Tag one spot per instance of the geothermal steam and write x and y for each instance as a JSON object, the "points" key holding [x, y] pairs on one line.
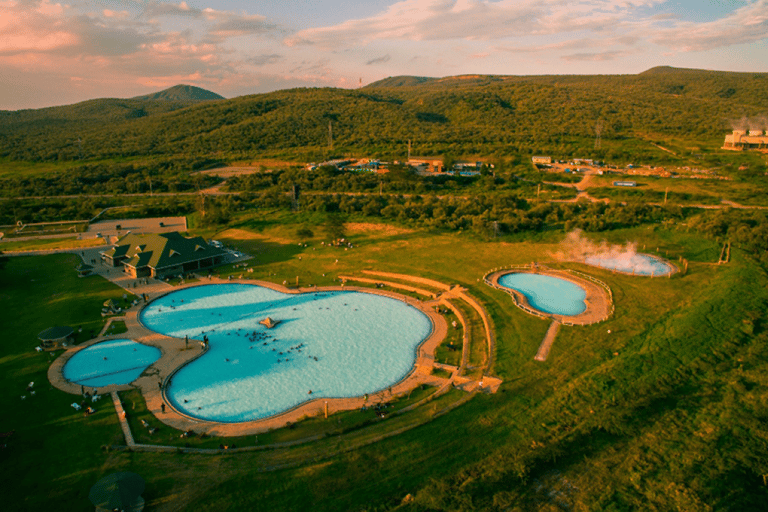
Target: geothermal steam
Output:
{"points": [[623, 258]]}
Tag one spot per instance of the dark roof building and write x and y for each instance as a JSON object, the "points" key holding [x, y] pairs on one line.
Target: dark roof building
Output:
{"points": [[161, 255], [55, 337]]}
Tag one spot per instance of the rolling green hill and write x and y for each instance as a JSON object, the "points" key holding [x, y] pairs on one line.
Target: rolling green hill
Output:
{"points": [[474, 115]]}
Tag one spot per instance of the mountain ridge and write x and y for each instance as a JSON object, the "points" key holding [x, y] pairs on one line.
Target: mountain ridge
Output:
{"points": [[469, 114], [181, 92]]}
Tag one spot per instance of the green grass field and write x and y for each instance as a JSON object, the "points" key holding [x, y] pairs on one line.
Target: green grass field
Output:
{"points": [[661, 407], [679, 190]]}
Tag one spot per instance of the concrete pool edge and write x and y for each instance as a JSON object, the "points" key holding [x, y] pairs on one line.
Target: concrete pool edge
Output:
{"points": [[56, 368], [174, 355], [599, 298]]}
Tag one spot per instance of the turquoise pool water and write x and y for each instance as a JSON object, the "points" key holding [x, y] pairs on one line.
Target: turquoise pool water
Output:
{"points": [[110, 362], [336, 344], [548, 294], [638, 264]]}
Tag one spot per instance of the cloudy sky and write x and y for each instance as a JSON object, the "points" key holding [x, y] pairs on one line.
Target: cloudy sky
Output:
{"points": [[59, 53]]}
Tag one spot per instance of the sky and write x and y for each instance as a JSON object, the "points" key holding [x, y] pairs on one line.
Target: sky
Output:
{"points": [[55, 53]]}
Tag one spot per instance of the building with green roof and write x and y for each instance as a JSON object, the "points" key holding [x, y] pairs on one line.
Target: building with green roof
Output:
{"points": [[162, 255]]}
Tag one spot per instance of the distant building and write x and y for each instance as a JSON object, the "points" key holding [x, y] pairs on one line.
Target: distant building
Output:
{"points": [[541, 159], [363, 165], [162, 255], [427, 164], [741, 139], [468, 167], [338, 164]]}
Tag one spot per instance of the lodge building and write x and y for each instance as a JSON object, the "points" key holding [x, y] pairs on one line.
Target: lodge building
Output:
{"points": [[162, 255]]}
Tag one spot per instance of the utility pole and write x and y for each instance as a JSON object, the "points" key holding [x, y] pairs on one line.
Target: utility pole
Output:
{"points": [[598, 131], [149, 179], [330, 137], [409, 150], [665, 195]]}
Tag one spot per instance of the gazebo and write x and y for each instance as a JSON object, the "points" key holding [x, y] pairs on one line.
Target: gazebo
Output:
{"points": [[83, 269], [54, 337], [110, 306], [118, 491]]}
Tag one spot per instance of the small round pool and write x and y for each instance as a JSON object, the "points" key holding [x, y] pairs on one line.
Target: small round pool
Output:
{"points": [[113, 362], [637, 264], [547, 293], [331, 344]]}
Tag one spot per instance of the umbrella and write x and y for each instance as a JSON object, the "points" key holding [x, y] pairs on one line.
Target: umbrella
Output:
{"points": [[109, 303], [118, 491]]}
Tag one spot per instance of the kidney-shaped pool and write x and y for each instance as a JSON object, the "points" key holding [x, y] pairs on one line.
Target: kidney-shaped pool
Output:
{"points": [[547, 293], [332, 344]]}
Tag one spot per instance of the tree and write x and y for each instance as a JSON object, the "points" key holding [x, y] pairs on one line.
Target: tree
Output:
{"points": [[304, 233], [401, 172], [334, 226]]}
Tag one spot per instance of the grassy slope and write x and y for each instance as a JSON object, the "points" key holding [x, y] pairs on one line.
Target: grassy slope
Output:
{"points": [[54, 450], [489, 115], [678, 342]]}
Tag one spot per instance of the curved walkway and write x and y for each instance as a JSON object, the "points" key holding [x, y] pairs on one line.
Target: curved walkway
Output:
{"points": [[459, 293]]}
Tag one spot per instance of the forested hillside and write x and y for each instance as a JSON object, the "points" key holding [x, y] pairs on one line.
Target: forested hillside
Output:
{"points": [[181, 93], [461, 116]]}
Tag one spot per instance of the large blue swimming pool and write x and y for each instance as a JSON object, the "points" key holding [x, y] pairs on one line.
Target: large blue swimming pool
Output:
{"points": [[110, 362], [548, 294], [335, 344]]}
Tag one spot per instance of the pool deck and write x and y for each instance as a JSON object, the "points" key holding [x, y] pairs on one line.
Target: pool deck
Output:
{"points": [[176, 353], [598, 299]]}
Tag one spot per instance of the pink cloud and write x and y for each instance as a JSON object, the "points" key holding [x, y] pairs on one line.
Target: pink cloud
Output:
{"points": [[120, 15], [39, 29]]}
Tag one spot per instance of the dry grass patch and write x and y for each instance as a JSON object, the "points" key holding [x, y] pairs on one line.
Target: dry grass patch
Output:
{"points": [[239, 234], [379, 229], [242, 234]]}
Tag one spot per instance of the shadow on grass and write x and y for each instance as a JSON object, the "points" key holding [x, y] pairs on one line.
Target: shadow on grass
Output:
{"points": [[264, 253]]}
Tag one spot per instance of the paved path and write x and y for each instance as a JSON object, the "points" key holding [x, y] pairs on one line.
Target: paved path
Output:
{"points": [[414, 279], [390, 284], [123, 419], [549, 339]]}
